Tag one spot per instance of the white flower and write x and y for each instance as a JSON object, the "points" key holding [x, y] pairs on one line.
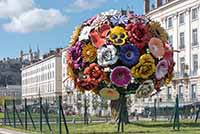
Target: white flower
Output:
{"points": [[145, 89], [106, 55], [111, 12], [84, 35], [100, 20]]}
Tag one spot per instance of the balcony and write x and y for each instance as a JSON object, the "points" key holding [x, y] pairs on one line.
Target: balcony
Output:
{"points": [[178, 75], [193, 73]]}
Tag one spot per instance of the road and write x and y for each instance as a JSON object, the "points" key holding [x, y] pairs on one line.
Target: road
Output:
{"points": [[7, 131]]}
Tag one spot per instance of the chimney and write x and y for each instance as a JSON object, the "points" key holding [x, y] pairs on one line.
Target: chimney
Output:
{"points": [[146, 6], [158, 3]]}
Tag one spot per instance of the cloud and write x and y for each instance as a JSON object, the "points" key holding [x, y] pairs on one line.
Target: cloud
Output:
{"points": [[35, 20], [80, 5], [10, 8]]}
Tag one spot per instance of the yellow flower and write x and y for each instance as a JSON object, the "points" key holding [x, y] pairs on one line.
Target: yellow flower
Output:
{"points": [[146, 58], [157, 31], [118, 35], [70, 73], [144, 68], [75, 35], [89, 53], [168, 78]]}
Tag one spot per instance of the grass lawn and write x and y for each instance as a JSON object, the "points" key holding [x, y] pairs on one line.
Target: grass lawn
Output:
{"points": [[1, 115], [139, 127]]}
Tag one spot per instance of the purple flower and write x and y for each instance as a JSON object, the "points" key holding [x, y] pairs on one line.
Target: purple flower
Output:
{"points": [[117, 20], [120, 76], [76, 55], [129, 54]]}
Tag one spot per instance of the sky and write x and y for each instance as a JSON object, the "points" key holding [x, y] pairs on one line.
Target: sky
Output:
{"points": [[48, 24]]}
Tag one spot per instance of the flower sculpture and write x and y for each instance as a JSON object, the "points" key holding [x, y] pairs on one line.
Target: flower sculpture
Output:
{"points": [[117, 53]]}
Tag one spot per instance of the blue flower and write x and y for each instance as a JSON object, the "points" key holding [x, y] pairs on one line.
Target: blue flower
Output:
{"points": [[117, 20], [129, 55]]}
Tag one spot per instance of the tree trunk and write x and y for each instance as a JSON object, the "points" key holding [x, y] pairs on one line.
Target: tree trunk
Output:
{"points": [[115, 110]]}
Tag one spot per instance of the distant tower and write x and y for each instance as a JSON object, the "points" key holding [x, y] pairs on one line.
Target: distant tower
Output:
{"points": [[31, 55], [21, 55], [38, 53]]}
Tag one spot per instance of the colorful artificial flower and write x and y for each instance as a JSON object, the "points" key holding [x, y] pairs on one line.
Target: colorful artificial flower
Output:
{"points": [[145, 89], [162, 69], [120, 76], [110, 12], [96, 39], [156, 47], [120, 50], [168, 56], [75, 53], [104, 30], [84, 35], [129, 54], [89, 21], [109, 93], [145, 68], [89, 53], [119, 20], [85, 84], [146, 58], [138, 34], [107, 55], [100, 20], [118, 35], [70, 73], [157, 31], [75, 35], [94, 73]]}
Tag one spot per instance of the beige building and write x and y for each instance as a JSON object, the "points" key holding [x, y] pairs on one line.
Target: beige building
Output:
{"points": [[11, 91], [43, 78], [181, 19]]}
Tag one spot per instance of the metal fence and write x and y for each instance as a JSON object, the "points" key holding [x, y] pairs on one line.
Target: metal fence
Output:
{"points": [[44, 116], [47, 117]]}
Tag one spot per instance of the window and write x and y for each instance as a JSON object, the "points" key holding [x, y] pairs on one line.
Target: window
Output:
{"points": [[169, 93], [182, 40], [182, 66], [194, 37], [195, 64], [169, 23], [181, 18], [180, 92], [170, 40], [64, 60], [194, 13], [193, 91]]}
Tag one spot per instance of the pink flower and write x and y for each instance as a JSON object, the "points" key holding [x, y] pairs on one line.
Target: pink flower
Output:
{"points": [[162, 69]]}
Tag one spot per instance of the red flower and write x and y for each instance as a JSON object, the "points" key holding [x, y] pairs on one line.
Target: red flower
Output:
{"points": [[86, 84], [94, 73], [138, 34]]}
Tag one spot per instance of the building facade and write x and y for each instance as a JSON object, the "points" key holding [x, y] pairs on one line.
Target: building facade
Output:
{"points": [[11, 92], [43, 78], [181, 19]]}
